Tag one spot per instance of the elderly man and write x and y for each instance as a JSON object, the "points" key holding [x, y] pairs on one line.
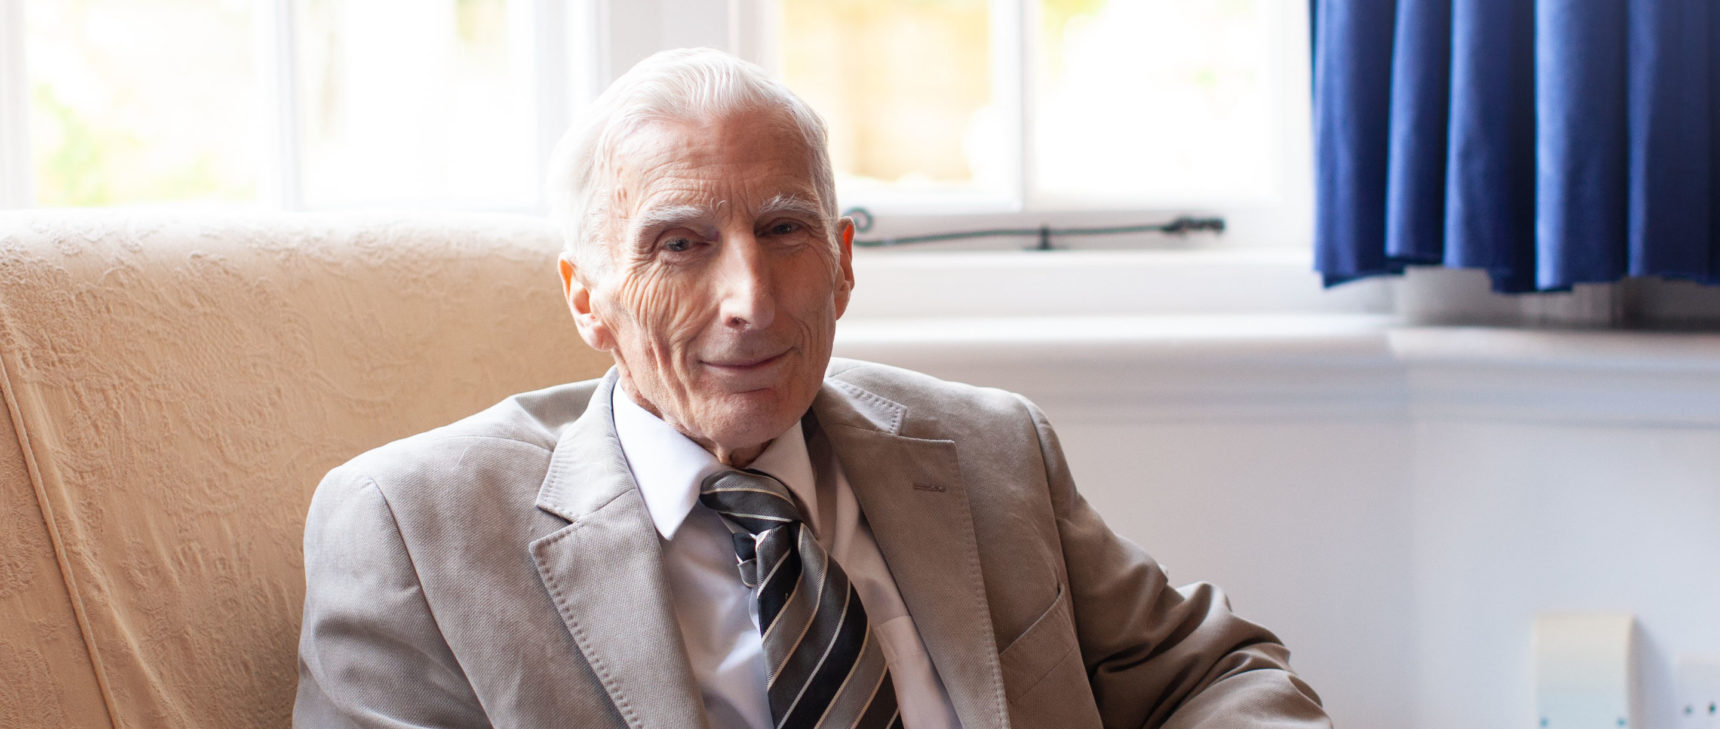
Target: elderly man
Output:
{"points": [[730, 529]]}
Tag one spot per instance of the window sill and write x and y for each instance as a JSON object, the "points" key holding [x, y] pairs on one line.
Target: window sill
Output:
{"points": [[917, 284], [1227, 367]]}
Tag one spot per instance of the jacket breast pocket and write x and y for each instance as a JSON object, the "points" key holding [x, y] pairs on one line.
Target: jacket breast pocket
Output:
{"points": [[1047, 641], [1043, 676]]}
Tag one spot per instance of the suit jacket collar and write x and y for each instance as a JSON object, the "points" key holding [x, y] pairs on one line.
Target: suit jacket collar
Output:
{"points": [[604, 569], [913, 497]]}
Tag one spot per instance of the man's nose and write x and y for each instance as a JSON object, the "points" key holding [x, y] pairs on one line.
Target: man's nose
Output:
{"points": [[744, 284]]}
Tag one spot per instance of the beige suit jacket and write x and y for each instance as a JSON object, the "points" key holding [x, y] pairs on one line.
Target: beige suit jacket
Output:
{"points": [[503, 571]]}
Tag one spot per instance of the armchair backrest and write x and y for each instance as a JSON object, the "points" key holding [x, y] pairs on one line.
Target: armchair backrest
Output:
{"points": [[174, 388]]}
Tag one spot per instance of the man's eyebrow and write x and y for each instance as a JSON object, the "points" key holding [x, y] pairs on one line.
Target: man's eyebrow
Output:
{"points": [[793, 204], [668, 216]]}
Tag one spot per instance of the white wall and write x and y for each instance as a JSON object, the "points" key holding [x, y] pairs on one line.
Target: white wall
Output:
{"points": [[1397, 503], [1511, 519]]}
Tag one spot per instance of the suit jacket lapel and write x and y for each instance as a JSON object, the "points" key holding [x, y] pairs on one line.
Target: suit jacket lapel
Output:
{"points": [[604, 571], [912, 495]]}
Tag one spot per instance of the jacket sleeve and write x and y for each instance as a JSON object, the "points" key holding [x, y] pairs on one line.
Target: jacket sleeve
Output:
{"points": [[370, 652], [1158, 656]]}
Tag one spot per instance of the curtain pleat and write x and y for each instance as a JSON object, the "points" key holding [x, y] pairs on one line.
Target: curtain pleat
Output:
{"points": [[1580, 142], [1672, 83], [1347, 128], [1491, 167], [1550, 142], [1420, 106]]}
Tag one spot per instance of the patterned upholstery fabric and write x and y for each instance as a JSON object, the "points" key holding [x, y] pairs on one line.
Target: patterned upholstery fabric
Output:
{"points": [[175, 385]]}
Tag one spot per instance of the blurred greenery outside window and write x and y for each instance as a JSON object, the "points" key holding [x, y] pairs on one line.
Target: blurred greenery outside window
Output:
{"points": [[1052, 104], [1130, 104], [967, 115], [178, 102], [142, 101]]}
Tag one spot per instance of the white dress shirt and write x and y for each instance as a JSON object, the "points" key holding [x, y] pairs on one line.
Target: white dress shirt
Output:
{"points": [[716, 612]]}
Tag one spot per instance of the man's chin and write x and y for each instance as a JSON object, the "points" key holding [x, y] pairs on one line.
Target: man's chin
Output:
{"points": [[745, 424]]}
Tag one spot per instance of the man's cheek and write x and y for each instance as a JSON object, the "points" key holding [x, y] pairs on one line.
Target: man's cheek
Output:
{"points": [[670, 334], [681, 334], [681, 317], [653, 308]]}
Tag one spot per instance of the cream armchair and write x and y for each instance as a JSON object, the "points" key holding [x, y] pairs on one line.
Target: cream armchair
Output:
{"points": [[175, 386]]}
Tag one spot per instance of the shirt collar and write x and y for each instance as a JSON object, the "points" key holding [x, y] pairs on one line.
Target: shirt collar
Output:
{"points": [[669, 466]]}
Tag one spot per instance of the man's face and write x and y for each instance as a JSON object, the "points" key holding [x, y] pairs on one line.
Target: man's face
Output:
{"points": [[723, 290]]}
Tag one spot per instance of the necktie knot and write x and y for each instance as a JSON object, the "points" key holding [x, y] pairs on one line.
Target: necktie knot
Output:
{"points": [[754, 500]]}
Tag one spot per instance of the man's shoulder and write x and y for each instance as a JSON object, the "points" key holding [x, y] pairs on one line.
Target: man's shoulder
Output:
{"points": [[925, 396], [516, 435]]}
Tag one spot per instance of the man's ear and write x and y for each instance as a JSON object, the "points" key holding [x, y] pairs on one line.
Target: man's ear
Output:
{"points": [[845, 258], [591, 327]]}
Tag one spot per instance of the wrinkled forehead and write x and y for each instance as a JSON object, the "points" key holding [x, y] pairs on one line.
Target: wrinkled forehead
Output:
{"points": [[761, 150]]}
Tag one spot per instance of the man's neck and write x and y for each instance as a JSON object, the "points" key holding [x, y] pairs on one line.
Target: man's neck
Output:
{"points": [[738, 458]]}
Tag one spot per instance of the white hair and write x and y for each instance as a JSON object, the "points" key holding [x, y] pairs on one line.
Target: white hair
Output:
{"points": [[671, 86]]}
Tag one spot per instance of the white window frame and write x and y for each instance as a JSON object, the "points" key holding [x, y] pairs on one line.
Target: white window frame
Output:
{"points": [[1266, 246], [1263, 262], [276, 37], [619, 33], [559, 26], [1286, 223], [14, 134]]}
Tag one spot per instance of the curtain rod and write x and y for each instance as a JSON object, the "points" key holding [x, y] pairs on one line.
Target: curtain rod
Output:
{"points": [[1179, 226]]}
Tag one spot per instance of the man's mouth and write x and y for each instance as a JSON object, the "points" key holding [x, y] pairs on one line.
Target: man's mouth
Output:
{"points": [[747, 362]]}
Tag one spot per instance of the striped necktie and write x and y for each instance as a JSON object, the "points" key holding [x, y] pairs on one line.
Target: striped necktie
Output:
{"points": [[824, 666]]}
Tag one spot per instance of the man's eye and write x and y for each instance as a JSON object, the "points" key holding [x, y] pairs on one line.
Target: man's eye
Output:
{"points": [[677, 245], [784, 228]]}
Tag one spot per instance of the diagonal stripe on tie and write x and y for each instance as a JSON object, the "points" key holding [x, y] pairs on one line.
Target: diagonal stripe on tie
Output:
{"points": [[883, 712], [825, 667], [789, 573], [802, 657], [862, 685], [834, 664]]}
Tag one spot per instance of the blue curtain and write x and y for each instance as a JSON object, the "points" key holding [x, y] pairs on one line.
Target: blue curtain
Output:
{"points": [[1550, 142]]}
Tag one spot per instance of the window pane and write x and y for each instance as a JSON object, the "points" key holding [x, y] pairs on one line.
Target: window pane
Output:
{"points": [[407, 101], [142, 101], [1163, 101], [905, 87]]}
